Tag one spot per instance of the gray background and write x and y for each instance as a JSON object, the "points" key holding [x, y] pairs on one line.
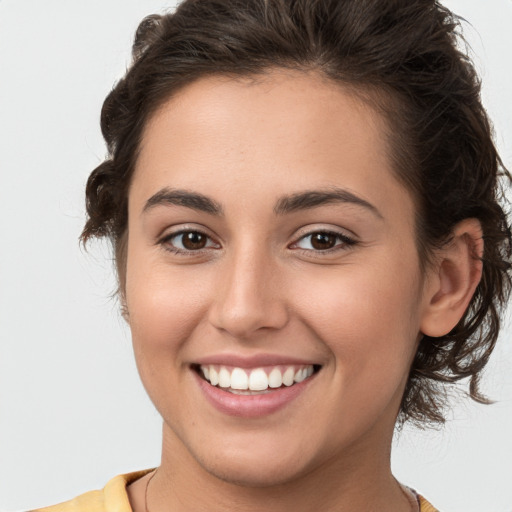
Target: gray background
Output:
{"points": [[72, 410]]}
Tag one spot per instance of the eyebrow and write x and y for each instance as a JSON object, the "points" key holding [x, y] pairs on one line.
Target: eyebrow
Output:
{"points": [[185, 198], [284, 205], [314, 198]]}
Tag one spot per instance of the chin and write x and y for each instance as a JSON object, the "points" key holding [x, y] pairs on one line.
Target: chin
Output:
{"points": [[253, 467], [258, 476]]}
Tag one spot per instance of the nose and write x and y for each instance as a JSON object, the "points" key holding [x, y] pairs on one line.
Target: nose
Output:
{"points": [[250, 296]]}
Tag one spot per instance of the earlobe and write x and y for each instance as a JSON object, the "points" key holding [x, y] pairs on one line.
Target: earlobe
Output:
{"points": [[454, 280]]}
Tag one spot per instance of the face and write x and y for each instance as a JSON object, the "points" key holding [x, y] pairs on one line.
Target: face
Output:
{"points": [[272, 285]]}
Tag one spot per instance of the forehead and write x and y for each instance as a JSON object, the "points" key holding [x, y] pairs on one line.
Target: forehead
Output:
{"points": [[280, 105], [285, 130]]}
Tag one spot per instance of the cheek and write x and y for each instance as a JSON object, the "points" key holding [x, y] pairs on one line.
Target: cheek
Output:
{"points": [[367, 316], [165, 304], [165, 309]]}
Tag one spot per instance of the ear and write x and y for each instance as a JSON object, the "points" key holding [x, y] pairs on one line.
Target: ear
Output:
{"points": [[452, 283]]}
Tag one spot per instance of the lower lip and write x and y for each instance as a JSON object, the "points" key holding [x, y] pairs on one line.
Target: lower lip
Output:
{"points": [[251, 406]]}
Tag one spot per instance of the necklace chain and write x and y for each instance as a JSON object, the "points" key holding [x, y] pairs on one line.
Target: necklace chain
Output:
{"points": [[146, 491]]}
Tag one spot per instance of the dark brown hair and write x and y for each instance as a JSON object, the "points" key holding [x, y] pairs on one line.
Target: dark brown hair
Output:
{"points": [[404, 58]]}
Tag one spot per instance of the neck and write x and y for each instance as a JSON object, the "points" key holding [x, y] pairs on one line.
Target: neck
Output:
{"points": [[355, 481]]}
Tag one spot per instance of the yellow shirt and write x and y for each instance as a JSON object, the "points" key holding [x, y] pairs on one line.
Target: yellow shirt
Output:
{"points": [[113, 498]]}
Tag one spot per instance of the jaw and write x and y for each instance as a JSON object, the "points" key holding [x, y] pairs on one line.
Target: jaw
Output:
{"points": [[273, 448]]}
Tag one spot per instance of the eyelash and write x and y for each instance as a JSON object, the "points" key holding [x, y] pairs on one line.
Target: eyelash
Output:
{"points": [[346, 242], [165, 242]]}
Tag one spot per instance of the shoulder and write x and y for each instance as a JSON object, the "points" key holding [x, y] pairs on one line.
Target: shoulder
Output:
{"points": [[112, 497], [425, 506]]}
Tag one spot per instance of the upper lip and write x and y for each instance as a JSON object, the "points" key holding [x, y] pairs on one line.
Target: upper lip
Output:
{"points": [[252, 361]]}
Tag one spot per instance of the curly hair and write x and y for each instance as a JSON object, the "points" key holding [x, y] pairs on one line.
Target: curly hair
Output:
{"points": [[405, 58]]}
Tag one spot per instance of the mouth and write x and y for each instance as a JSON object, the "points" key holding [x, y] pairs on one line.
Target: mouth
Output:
{"points": [[255, 381]]}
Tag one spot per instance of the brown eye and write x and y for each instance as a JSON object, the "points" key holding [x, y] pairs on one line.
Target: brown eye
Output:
{"points": [[184, 242], [322, 241], [326, 241], [193, 240]]}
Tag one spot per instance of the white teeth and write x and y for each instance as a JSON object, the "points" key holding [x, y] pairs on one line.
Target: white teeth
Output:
{"points": [[224, 378], [275, 379], [214, 376], [288, 376], [300, 375], [258, 380], [242, 381], [239, 379]]}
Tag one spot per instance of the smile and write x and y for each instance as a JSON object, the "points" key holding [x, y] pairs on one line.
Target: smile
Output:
{"points": [[245, 381]]}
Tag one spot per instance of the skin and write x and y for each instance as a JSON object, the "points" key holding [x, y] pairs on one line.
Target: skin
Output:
{"points": [[260, 286]]}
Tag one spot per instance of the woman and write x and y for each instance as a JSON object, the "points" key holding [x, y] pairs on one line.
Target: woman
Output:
{"points": [[303, 201]]}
